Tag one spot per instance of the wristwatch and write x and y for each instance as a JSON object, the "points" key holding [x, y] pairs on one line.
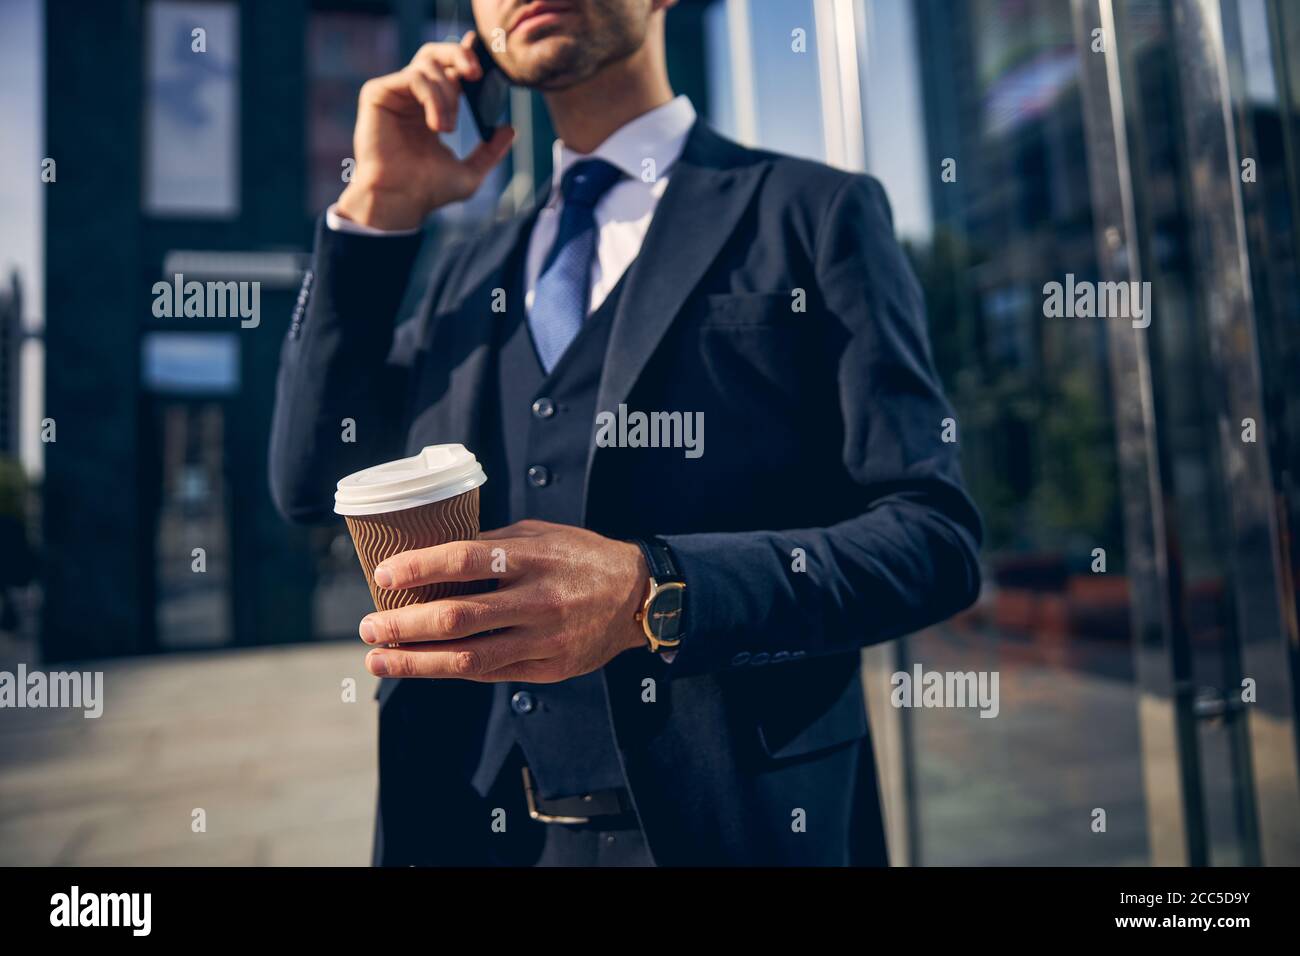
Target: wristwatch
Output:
{"points": [[662, 614]]}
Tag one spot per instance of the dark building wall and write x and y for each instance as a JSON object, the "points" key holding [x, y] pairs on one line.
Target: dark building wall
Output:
{"points": [[103, 256], [92, 562], [273, 575], [11, 340]]}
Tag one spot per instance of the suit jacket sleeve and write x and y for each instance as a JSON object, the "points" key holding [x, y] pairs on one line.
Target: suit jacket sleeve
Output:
{"points": [[909, 558], [342, 359]]}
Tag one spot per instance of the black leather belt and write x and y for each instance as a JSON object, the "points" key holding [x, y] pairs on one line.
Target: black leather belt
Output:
{"points": [[611, 809]]}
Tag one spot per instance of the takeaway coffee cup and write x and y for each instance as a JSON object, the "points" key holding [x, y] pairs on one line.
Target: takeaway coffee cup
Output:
{"points": [[417, 502]]}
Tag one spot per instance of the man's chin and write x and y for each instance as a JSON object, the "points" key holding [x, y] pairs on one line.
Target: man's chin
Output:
{"points": [[549, 63]]}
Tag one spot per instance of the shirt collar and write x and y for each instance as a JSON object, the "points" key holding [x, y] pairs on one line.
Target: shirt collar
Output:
{"points": [[658, 135]]}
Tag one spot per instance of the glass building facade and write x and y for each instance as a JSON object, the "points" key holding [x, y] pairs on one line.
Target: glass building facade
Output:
{"points": [[1138, 481]]}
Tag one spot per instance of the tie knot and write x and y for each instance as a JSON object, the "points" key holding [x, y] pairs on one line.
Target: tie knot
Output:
{"points": [[585, 182]]}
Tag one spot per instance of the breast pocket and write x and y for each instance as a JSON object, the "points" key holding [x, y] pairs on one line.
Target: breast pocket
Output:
{"points": [[752, 310], [755, 355]]}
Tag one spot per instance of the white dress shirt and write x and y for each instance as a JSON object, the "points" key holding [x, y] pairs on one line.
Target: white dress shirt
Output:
{"points": [[645, 149]]}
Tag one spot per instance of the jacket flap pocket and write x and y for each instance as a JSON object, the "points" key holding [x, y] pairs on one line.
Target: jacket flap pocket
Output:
{"points": [[814, 715]]}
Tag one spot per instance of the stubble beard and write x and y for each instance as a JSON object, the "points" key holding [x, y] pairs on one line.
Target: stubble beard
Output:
{"points": [[574, 62]]}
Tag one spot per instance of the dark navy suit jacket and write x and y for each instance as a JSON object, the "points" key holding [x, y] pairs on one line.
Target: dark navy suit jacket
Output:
{"points": [[825, 514]]}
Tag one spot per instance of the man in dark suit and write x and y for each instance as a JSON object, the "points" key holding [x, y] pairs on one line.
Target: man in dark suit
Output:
{"points": [[667, 669]]}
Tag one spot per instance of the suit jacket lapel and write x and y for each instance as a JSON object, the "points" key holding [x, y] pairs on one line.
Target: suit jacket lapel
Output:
{"points": [[708, 191], [462, 338]]}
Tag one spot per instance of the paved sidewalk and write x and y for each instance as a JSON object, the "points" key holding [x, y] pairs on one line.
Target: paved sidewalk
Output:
{"points": [[261, 740]]}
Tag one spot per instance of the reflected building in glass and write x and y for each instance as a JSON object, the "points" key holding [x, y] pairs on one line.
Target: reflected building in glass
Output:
{"points": [[1139, 562]]}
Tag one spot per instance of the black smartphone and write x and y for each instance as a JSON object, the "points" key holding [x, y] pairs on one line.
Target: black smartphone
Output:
{"points": [[487, 97]]}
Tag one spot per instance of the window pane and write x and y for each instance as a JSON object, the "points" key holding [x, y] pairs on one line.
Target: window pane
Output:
{"points": [[987, 92], [776, 74], [787, 97], [190, 363], [192, 126]]}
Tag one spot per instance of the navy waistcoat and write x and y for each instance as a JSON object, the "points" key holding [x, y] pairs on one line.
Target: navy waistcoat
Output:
{"points": [[536, 465]]}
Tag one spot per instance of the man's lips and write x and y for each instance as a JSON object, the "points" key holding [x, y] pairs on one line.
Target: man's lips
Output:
{"points": [[538, 13]]}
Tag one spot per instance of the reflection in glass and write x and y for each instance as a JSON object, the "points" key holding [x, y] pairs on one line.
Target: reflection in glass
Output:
{"points": [[999, 108]]}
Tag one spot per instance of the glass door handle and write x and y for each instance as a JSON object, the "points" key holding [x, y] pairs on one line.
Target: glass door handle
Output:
{"points": [[1214, 704]]}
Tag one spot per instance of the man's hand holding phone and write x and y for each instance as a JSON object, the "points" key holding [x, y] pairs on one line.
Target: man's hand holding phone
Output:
{"points": [[404, 170]]}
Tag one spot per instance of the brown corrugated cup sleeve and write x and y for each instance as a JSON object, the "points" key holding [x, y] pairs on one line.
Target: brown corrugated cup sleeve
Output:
{"points": [[381, 536]]}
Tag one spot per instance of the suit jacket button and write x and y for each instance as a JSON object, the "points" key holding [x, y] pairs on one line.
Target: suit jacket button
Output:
{"points": [[523, 702], [543, 408], [539, 476], [741, 659]]}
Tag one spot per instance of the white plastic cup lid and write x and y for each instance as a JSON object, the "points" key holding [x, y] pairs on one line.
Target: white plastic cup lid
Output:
{"points": [[437, 473]]}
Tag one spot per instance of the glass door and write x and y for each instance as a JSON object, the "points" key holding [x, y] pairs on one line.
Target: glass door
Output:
{"points": [[192, 552], [187, 377], [1190, 190]]}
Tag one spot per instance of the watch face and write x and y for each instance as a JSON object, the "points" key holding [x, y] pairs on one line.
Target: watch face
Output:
{"points": [[665, 615]]}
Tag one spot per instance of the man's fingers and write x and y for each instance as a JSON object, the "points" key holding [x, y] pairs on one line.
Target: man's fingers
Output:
{"points": [[454, 56], [479, 658], [445, 619], [454, 561], [467, 46], [392, 91], [447, 89], [434, 94], [466, 63]]}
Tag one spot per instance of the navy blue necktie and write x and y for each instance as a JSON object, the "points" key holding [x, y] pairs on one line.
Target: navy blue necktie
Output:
{"points": [[563, 289]]}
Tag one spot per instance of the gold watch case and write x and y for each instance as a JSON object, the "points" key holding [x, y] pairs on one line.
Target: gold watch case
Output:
{"points": [[646, 617]]}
